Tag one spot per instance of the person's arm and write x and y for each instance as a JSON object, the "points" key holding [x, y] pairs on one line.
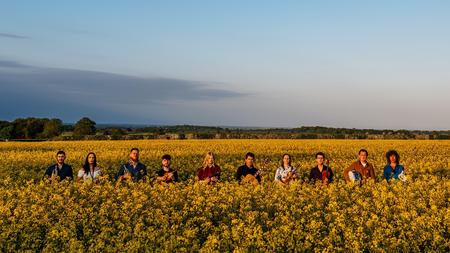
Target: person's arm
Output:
{"points": [[120, 173], [331, 175], [311, 175], [175, 176], [277, 175], [48, 172], [239, 174], [70, 174], [347, 170], [160, 176], [80, 175]]}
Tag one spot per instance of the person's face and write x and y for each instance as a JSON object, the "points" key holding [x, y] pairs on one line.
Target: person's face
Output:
{"points": [[91, 158], [319, 160], [210, 160], [286, 160], [134, 155], [249, 161], [60, 158], [362, 156], [393, 159], [165, 163]]}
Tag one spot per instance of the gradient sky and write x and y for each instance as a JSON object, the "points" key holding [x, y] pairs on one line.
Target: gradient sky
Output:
{"points": [[362, 64]]}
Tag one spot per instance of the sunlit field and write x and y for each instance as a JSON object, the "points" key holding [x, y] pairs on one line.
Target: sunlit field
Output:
{"points": [[189, 216]]}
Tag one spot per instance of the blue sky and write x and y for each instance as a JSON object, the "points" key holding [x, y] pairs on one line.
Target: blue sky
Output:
{"points": [[363, 64]]}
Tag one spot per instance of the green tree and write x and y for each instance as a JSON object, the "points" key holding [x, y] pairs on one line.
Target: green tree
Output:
{"points": [[84, 126], [52, 128]]}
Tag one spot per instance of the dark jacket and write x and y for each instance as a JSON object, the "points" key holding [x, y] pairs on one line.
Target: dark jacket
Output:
{"points": [[315, 174], [243, 171], [162, 172], [63, 173]]}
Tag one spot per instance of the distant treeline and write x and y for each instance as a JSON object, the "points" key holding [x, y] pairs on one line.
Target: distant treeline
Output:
{"points": [[29, 129]]}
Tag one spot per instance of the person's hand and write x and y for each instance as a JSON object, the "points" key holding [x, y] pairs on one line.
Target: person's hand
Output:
{"points": [[214, 179], [126, 176], [169, 176]]}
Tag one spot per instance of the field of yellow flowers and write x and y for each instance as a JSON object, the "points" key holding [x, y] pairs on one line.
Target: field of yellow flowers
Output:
{"points": [[188, 216]]}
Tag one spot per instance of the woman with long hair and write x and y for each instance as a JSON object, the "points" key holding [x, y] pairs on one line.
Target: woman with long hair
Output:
{"points": [[286, 172], [393, 169], [210, 171], [90, 170]]}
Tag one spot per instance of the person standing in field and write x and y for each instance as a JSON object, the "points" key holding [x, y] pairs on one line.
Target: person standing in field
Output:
{"points": [[321, 172], [90, 170], [361, 170], [132, 170], [248, 172], [210, 171], [60, 170], [166, 174], [393, 169], [286, 172]]}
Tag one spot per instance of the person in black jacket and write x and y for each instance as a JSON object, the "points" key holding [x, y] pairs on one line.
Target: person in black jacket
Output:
{"points": [[166, 174], [60, 170], [321, 172], [248, 172]]}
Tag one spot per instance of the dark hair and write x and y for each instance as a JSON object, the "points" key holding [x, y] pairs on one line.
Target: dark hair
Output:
{"points": [[166, 157], [86, 167], [290, 159], [320, 153], [60, 153], [250, 154], [394, 153], [363, 150], [134, 149]]}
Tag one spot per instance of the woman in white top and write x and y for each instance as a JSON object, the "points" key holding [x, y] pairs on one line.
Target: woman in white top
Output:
{"points": [[286, 172], [90, 170]]}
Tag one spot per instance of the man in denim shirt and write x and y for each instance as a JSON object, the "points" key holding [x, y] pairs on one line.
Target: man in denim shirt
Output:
{"points": [[134, 169], [60, 170]]}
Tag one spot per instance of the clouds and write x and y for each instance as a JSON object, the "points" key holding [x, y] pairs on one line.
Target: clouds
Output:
{"points": [[69, 93], [12, 36]]}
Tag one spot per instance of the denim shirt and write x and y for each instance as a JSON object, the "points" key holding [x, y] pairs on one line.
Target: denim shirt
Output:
{"points": [[137, 173], [390, 173]]}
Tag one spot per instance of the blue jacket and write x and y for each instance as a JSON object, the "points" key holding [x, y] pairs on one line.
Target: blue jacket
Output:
{"points": [[138, 172], [390, 173], [63, 173]]}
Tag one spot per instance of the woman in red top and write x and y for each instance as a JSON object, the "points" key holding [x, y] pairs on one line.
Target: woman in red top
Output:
{"points": [[209, 172]]}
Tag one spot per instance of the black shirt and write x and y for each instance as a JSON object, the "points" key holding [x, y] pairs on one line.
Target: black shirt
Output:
{"points": [[162, 172], [317, 175], [243, 171], [63, 173]]}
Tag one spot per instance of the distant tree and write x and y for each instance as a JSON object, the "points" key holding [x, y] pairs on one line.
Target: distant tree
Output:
{"points": [[84, 126], [6, 131], [52, 128]]}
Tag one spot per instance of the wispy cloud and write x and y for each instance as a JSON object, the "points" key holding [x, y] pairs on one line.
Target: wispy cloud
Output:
{"points": [[13, 36], [31, 89]]}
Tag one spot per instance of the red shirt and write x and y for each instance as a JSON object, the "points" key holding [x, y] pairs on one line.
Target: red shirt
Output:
{"points": [[204, 173]]}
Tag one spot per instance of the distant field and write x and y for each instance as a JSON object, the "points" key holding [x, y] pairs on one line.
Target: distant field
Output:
{"points": [[411, 216]]}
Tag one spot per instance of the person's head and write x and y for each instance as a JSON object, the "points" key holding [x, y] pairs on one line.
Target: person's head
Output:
{"points": [[363, 154], [320, 157], [134, 154], [286, 160], [392, 157], [60, 157], [166, 160], [91, 160], [249, 159], [209, 159]]}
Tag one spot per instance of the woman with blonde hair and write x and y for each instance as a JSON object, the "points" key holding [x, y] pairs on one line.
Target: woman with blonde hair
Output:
{"points": [[210, 171]]}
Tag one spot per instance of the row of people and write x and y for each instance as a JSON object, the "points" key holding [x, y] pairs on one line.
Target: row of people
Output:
{"points": [[210, 172]]}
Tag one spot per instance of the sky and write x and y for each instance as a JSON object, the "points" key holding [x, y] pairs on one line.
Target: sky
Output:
{"points": [[356, 64]]}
